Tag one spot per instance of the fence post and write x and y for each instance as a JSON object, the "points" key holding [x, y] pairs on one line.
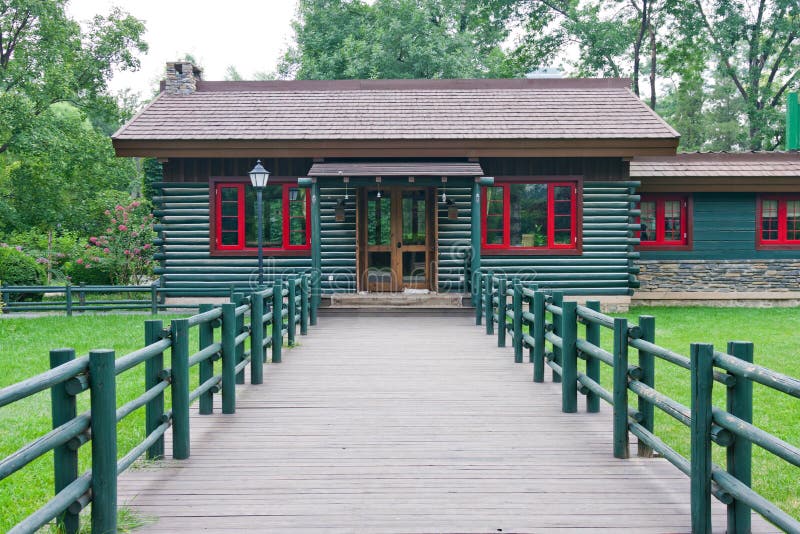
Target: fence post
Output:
{"points": [[620, 388], [65, 460], [228, 358], [702, 370], [558, 300], [647, 363], [569, 368], [488, 304], [593, 364], [290, 324], [154, 298], [277, 321], [315, 296], [517, 303], [179, 330], [153, 367], [538, 336], [256, 339], [304, 305], [238, 299], [103, 401], [68, 296], [740, 453], [477, 288], [82, 294], [205, 371], [502, 306]]}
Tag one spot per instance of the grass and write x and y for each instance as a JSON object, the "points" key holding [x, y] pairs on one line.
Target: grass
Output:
{"points": [[24, 347], [774, 333], [25, 342]]}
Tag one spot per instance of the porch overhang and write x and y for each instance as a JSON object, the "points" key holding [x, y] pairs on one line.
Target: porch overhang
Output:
{"points": [[393, 168]]}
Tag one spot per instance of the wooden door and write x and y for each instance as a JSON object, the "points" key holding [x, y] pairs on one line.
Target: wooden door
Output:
{"points": [[396, 239]]}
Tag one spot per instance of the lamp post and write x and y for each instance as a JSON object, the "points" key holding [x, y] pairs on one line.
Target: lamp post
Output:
{"points": [[258, 177]]}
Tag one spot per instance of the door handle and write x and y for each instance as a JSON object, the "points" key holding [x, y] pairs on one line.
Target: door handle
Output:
{"points": [[399, 244]]}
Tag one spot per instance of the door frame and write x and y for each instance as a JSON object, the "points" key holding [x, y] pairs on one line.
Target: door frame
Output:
{"points": [[430, 246]]}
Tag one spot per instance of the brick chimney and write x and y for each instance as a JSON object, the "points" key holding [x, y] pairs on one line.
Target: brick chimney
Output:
{"points": [[182, 78]]}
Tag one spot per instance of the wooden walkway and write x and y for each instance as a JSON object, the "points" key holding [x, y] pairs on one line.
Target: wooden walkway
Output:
{"points": [[406, 424]]}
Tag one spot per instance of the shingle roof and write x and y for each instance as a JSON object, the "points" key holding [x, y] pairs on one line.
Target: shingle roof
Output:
{"points": [[402, 168], [719, 164], [386, 110]]}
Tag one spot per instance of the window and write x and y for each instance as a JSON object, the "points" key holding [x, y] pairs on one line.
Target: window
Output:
{"points": [[778, 220], [285, 217], [529, 216], [664, 221]]}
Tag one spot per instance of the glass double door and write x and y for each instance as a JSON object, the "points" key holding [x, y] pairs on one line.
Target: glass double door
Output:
{"points": [[397, 241]]}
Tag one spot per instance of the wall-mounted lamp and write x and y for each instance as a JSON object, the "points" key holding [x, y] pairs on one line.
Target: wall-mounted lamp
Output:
{"points": [[378, 181], [444, 188], [340, 213], [452, 210]]}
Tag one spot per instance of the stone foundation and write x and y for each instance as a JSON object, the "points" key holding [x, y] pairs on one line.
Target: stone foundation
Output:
{"points": [[726, 276]]}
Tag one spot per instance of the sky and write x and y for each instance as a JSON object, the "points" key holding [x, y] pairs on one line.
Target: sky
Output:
{"points": [[249, 34]]}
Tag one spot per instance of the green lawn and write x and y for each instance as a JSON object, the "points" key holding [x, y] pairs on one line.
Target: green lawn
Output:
{"points": [[24, 346]]}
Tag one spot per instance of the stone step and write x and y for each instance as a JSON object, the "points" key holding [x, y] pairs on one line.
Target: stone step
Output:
{"points": [[397, 301]]}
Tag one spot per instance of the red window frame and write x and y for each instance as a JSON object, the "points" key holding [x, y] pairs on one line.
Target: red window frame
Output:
{"points": [[661, 242], [240, 248], [505, 247], [783, 240]]}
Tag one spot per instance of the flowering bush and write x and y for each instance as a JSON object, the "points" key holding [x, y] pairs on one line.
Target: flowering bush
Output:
{"points": [[124, 250]]}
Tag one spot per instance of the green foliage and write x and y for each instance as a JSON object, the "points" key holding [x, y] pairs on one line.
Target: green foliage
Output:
{"points": [[153, 172], [19, 269], [52, 250], [338, 39]]}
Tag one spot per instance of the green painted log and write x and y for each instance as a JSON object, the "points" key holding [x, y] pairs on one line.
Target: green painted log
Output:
{"points": [[65, 459], [475, 237], [477, 287], [238, 300], [593, 364], [558, 300], [229, 358], [517, 306], [179, 330], [153, 368], [647, 365], [277, 321], [316, 253], [702, 379], [502, 306], [304, 304], [620, 390], [206, 367], [291, 326], [740, 453], [256, 339], [569, 354], [539, 299], [103, 401]]}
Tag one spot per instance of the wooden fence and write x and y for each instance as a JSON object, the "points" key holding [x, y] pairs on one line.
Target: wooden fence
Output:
{"points": [[534, 319], [281, 309]]}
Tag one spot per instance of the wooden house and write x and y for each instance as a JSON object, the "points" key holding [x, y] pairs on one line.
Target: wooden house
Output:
{"points": [[402, 185]]}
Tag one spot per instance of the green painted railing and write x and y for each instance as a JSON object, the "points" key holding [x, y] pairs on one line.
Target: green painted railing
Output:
{"points": [[533, 320], [282, 309]]}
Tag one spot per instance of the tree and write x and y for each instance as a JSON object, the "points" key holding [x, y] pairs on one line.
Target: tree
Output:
{"points": [[338, 39], [45, 58]]}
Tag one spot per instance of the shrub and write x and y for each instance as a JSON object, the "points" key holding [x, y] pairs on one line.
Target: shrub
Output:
{"points": [[52, 250], [88, 269], [18, 269]]}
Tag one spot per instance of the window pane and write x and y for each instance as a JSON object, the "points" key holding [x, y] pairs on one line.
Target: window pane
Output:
{"points": [[769, 220], [793, 220], [528, 217], [648, 220], [273, 217], [297, 216], [494, 215], [672, 220], [562, 219], [379, 212], [414, 225], [229, 216]]}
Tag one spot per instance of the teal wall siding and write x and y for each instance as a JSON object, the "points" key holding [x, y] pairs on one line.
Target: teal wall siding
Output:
{"points": [[454, 237], [186, 264], [605, 266], [338, 238], [724, 228]]}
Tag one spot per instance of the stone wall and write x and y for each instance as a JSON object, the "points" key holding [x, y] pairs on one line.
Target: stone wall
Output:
{"points": [[181, 78], [766, 275]]}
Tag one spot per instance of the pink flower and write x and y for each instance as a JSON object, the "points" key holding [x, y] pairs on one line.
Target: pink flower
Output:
{"points": [[106, 250], [107, 212], [118, 207], [136, 204], [109, 230], [19, 248], [125, 216], [136, 251], [88, 265], [135, 234], [93, 239], [113, 221], [126, 251], [79, 261], [147, 246], [122, 227]]}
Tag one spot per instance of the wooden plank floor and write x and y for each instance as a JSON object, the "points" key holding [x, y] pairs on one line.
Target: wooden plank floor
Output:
{"points": [[406, 424]]}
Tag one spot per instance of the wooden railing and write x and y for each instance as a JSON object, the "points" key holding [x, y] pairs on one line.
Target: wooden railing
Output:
{"points": [[534, 319], [282, 309]]}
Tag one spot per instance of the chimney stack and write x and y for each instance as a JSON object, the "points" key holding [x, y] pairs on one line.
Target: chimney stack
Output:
{"points": [[182, 78], [792, 122]]}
